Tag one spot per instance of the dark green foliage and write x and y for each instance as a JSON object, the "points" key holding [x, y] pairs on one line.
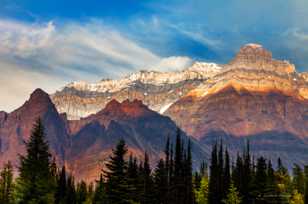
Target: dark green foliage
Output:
{"points": [[298, 179], [99, 193], [226, 175], [306, 185], [6, 184], [147, 181], [189, 197], [36, 183], [161, 182], [71, 191], [214, 181], [260, 180], [117, 183], [61, 190], [81, 192]]}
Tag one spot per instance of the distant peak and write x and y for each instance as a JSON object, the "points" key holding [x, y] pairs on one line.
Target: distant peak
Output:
{"points": [[253, 45], [39, 93], [113, 104], [255, 56]]}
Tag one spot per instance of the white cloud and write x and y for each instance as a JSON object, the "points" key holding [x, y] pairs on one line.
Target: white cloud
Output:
{"points": [[48, 55]]}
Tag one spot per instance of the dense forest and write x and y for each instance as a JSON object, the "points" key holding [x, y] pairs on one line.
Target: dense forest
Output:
{"points": [[125, 180]]}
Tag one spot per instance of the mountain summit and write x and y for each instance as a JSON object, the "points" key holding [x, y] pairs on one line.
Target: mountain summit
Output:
{"points": [[155, 89], [255, 56]]}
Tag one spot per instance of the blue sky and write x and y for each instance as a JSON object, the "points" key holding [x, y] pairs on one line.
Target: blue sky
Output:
{"points": [[50, 43]]}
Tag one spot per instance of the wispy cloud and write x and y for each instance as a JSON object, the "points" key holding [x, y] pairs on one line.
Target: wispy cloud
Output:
{"points": [[41, 54]]}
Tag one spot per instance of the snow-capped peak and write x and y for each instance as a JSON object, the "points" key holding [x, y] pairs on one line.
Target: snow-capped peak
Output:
{"points": [[199, 70]]}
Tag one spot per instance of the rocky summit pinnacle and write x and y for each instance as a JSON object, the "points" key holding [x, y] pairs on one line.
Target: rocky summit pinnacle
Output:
{"points": [[255, 56]]}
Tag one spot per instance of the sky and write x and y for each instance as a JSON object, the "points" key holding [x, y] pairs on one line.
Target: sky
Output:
{"points": [[50, 43]]}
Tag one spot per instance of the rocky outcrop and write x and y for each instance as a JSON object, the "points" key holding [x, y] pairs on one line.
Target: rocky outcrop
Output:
{"points": [[84, 145], [158, 90], [241, 113], [253, 94], [93, 137], [254, 56], [15, 128]]}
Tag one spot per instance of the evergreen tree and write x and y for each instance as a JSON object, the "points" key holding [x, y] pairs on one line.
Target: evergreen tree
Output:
{"points": [[6, 184], [220, 175], [297, 198], [233, 196], [133, 179], [61, 189], [226, 174], [306, 185], [99, 193], [271, 183], [81, 193], [214, 175], [117, 184], [178, 183], [160, 181], [148, 188], [283, 182], [260, 181], [71, 196], [36, 183], [246, 175], [189, 197], [202, 192], [237, 173], [298, 181]]}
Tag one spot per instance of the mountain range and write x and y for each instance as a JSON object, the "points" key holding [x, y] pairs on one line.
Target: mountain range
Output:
{"points": [[254, 97]]}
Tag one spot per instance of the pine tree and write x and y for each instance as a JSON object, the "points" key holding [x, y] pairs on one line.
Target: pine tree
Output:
{"points": [[133, 179], [233, 196], [81, 193], [237, 173], [160, 182], [168, 169], [99, 194], [271, 182], [148, 185], [214, 175], [178, 184], [260, 181], [189, 197], [202, 192], [61, 189], [71, 196], [283, 182], [226, 174], [36, 184], [117, 184], [6, 184], [221, 190], [246, 175], [298, 181], [306, 185]]}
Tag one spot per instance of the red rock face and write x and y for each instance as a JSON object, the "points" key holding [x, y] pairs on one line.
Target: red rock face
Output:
{"points": [[143, 130], [85, 145], [241, 113], [15, 128]]}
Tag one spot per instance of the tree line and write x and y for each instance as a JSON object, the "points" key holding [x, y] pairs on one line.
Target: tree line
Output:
{"points": [[126, 180]]}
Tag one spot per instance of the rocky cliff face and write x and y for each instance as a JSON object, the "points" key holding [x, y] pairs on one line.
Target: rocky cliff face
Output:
{"points": [[85, 145], [15, 128], [255, 97], [158, 90], [254, 93], [93, 137]]}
